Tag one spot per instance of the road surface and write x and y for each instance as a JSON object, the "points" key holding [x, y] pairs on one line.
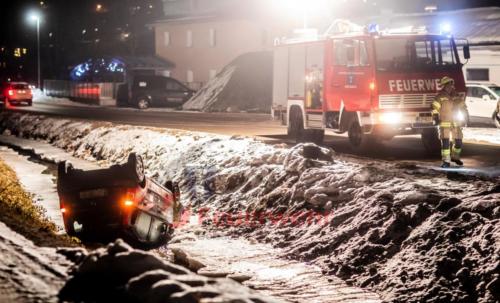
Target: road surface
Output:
{"points": [[407, 148]]}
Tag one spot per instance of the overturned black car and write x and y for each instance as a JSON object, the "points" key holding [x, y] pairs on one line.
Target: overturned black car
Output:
{"points": [[119, 199]]}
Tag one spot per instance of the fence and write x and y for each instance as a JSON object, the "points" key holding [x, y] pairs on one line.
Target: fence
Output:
{"points": [[94, 93]]}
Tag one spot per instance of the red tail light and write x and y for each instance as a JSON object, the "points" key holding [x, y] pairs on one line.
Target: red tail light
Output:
{"points": [[129, 199]]}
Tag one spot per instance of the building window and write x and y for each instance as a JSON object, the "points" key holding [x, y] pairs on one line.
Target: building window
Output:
{"points": [[166, 38], [212, 73], [212, 37], [189, 38], [478, 74], [189, 76]]}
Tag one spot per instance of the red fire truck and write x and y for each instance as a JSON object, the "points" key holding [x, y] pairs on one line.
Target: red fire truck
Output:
{"points": [[373, 86]]}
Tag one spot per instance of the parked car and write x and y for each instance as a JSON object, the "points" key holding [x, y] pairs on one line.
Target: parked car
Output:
{"points": [[15, 93], [148, 91], [119, 199], [483, 103]]}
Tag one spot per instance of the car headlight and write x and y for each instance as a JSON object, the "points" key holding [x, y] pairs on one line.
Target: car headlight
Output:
{"points": [[391, 118]]}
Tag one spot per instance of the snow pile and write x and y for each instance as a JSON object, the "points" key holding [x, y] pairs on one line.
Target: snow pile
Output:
{"points": [[410, 234], [245, 84], [118, 273], [482, 135]]}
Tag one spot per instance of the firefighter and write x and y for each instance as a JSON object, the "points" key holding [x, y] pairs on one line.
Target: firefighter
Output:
{"points": [[448, 110]]}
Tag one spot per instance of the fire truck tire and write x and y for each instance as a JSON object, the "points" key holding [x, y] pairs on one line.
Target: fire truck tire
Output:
{"points": [[359, 141], [430, 140], [297, 132], [296, 124]]}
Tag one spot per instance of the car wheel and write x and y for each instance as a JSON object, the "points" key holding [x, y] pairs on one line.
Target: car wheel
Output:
{"points": [[136, 169], [143, 103], [496, 119], [63, 169], [69, 225]]}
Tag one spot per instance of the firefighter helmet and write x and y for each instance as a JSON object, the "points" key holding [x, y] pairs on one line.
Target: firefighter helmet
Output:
{"points": [[446, 80]]}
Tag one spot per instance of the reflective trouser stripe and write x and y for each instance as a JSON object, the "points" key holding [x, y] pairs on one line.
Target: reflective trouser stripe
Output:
{"points": [[456, 149], [445, 124], [445, 150], [455, 153], [446, 155]]}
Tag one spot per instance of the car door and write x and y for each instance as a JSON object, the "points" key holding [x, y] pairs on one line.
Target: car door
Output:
{"points": [[489, 104], [482, 104], [472, 100], [159, 93]]}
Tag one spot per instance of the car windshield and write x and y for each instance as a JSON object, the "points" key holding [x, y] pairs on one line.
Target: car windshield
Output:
{"points": [[496, 90], [410, 54]]}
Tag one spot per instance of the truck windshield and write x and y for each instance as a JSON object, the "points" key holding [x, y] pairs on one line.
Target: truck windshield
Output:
{"points": [[407, 54]]}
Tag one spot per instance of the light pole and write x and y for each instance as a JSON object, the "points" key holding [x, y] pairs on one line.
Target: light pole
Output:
{"points": [[36, 17]]}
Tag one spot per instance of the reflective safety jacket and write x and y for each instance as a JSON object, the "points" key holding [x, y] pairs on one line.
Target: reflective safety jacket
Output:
{"points": [[451, 109]]}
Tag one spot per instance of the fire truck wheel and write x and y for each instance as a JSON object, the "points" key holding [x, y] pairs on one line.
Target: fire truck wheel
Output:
{"points": [[296, 124], [430, 140], [357, 138]]}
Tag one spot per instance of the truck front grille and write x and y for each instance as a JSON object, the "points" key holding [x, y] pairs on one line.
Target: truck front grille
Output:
{"points": [[406, 101]]}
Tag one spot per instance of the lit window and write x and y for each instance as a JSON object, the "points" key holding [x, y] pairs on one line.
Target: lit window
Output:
{"points": [[166, 37], [212, 37], [189, 76], [189, 38]]}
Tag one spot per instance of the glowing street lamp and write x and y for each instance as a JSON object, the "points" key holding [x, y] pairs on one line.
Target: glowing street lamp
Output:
{"points": [[302, 8], [445, 28], [36, 17]]}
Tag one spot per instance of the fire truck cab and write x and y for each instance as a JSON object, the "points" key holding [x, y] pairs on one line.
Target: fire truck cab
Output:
{"points": [[372, 86]]}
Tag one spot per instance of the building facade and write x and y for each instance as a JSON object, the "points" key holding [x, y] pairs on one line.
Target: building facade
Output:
{"points": [[200, 38]]}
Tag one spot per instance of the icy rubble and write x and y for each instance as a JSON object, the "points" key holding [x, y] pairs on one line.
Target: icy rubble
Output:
{"points": [[118, 273], [410, 234]]}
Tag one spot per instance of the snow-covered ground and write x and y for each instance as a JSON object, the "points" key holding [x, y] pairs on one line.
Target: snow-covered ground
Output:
{"points": [[409, 233], [35, 181], [482, 135], [29, 273]]}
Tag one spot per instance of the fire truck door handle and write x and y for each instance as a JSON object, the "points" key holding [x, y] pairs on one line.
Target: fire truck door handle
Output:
{"points": [[335, 85]]}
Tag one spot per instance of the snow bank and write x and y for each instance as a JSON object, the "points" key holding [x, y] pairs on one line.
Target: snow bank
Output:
{"points": [[245, 84], [410, 234], [482, 135], [118, 273]]}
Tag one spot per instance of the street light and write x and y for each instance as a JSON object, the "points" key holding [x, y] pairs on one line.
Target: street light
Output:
{"points": [[36, 17], [305, 9]]}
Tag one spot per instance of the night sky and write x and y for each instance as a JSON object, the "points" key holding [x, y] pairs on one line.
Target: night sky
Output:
{"points": [[121, 28]]}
